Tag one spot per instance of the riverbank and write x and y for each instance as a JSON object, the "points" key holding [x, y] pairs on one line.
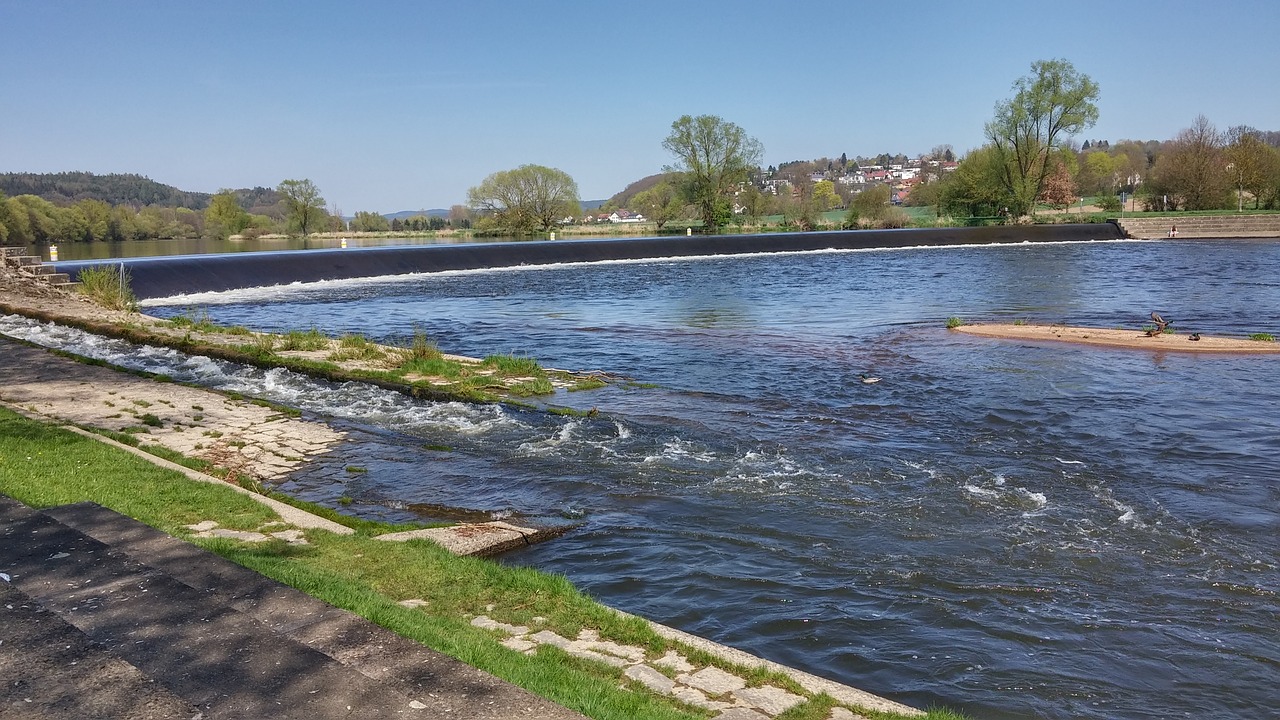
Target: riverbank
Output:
{"points": [[532, 629], [1168, 341]]}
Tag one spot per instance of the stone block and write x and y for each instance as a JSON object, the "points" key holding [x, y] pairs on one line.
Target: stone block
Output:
{"points": [[770, 700], [674, 661], [713, 681], [651, 679]]}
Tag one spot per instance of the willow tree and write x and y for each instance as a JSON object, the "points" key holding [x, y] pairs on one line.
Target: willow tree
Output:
{"points": [[1050, 105], [527, 198], [714, 157]]}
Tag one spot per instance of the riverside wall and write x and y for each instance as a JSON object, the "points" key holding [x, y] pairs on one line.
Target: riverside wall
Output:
{"points": [[154, 277]]}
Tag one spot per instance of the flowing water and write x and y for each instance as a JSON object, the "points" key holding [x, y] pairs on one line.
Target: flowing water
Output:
{"points": [[1010, 529]]}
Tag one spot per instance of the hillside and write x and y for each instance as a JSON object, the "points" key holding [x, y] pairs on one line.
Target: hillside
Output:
{"points": [[114, 189], [129, 189], [635, 188]]}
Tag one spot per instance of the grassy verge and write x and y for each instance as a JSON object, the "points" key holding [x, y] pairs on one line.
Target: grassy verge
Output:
{"points": [[47, 466]]}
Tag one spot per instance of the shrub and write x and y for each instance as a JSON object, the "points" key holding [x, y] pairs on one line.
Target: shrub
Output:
{"points": [[954, 322], [894, 219], [1109, 203], [108, 286], [1263, 337]]}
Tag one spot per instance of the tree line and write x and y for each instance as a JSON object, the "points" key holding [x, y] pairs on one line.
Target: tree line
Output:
{"points": [[1029, 160]]}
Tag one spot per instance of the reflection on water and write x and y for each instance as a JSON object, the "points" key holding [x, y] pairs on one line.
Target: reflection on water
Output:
{"points": [[1013, 529]]}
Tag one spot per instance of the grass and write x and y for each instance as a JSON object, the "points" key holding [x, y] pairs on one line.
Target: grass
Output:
{"points": [[48, 466], [1263, 337], [357, 347], [309, 340], [108, 286], [954, 322]]}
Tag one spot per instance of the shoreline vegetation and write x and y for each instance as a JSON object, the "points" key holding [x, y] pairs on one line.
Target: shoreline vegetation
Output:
{"points": [[416, 589]]}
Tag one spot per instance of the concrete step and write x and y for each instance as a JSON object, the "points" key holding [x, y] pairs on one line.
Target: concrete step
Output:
{"points": [[12, 251], [52, 671], [229, 641], [56, 279], [39, 269]]}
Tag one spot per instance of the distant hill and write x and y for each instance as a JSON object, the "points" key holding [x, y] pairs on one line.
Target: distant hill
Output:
{"points": [[433, 212], [635, 188], [129, 189], [115, 189]]}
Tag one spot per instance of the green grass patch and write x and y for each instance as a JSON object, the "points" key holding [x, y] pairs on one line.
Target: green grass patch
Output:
{"points": [[311, 339], [513, 365], [108, 286], [954, 322], [1263, 337]]}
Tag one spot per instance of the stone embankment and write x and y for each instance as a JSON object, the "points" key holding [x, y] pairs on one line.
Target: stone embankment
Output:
{"points": [[1201, 226], [30, 266]]}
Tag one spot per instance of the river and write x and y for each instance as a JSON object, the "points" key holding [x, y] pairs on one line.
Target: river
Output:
{"points": [[1010, 529]]}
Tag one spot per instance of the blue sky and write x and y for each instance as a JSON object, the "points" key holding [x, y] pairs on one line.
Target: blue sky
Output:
{"points": [[403, 105]]}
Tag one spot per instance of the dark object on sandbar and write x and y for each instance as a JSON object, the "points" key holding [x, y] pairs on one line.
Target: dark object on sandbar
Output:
{"points": [[1194, 336], [1160, 322]]}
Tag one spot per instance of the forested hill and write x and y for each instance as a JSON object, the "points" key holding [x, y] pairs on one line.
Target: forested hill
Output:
{"points": [[115, 189], [130, 189]]}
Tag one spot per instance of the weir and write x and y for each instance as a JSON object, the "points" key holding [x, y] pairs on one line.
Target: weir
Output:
{"points": [[156, 277]]}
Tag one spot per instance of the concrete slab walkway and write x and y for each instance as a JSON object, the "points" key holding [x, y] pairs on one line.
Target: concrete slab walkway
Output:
{"points": [[104, 617]]}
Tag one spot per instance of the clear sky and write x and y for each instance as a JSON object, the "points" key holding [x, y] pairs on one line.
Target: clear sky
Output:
{"points": [[404, 104]]}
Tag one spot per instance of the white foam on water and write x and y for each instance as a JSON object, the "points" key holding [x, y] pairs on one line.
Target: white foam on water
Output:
{"points": [[677, 450], [555, 442], [1069, 462], [352, 400]]}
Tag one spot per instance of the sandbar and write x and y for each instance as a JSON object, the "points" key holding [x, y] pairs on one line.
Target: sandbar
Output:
{"points": [[1120, 338]]}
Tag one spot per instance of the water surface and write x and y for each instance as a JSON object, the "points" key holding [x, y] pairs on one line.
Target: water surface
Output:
{"points": [[1016, 530]]}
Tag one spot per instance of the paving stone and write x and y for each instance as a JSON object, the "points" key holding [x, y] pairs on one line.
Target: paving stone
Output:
{"points": [[293, 537], [488, 623], [651, 679], [609, 660], [627, 652], [547, 637], [769, 699], [674, 661], [203, 526], [713, 681], [741, 714], [520, 644], [694, 697], [588, 635], [413, 603]]}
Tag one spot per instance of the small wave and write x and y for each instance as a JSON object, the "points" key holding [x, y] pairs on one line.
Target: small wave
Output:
{"points": [[681, 450], [981, 491], [1069, 462]]}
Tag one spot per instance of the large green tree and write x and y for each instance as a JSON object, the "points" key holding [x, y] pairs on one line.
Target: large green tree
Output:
{"points": [[529, 197], [1051, 104], [714, 157], [224, 217], [303, 205], [1251, 163], [660, 203]]}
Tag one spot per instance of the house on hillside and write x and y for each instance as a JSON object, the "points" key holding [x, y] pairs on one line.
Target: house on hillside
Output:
{"points": [[625, 216]]}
